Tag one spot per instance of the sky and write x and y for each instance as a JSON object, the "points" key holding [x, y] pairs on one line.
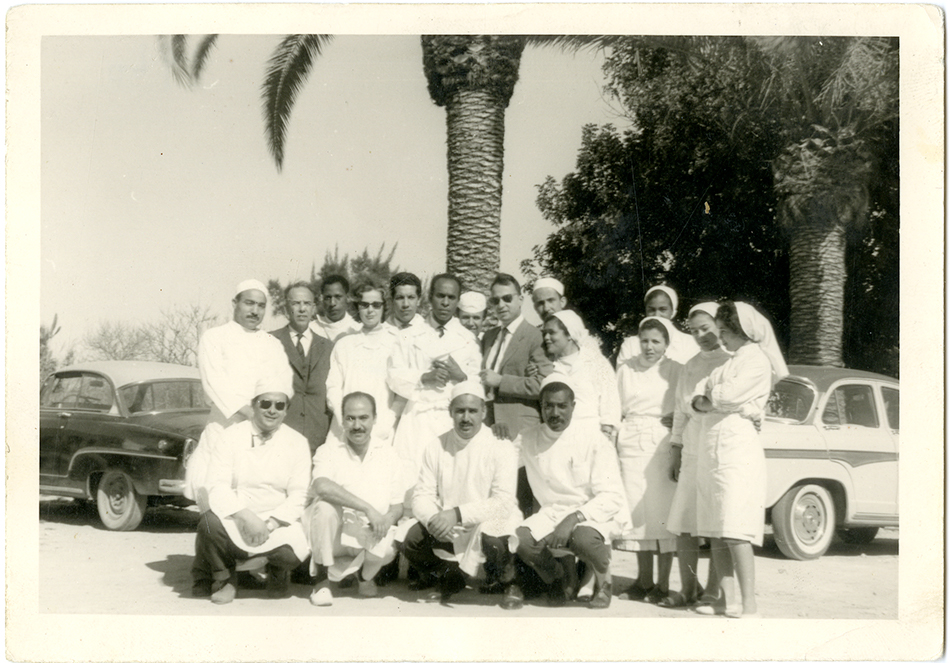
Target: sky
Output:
{"points": [[154, 195]]}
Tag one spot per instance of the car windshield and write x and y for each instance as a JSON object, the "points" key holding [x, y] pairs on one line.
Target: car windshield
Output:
{"points": [[163, 395], [790, 400]]}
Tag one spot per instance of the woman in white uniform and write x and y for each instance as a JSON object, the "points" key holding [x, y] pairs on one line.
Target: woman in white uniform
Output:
{"points": [[594, 380], [684, 441], [647, 384], [662, 302], [359, 360], [730, 461]]}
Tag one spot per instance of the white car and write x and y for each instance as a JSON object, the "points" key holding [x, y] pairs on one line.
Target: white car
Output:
{"points": [[831, 440]]}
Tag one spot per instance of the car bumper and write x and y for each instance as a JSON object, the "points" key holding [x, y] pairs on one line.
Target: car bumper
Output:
{"points": [[171, 486]]}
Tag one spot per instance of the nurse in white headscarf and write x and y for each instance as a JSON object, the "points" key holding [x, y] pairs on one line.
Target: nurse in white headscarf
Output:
{"points": [[647, 385], [662, 302], [594, 380], [731, 475]]}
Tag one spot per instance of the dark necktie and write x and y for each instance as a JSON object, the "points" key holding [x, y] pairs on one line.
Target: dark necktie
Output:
{"points": [[441, 330], [300, 345], [501, 344]]}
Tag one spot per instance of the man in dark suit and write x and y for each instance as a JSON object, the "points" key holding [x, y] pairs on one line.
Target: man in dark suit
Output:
{"points": [[507, 351], [309, 357]]}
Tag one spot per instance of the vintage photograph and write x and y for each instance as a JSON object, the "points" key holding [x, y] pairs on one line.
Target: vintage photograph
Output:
{"points": [[503, 323]]}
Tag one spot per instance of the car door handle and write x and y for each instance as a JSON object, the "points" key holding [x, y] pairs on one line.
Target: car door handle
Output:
{"points": [[832, 427], [65, 415]]}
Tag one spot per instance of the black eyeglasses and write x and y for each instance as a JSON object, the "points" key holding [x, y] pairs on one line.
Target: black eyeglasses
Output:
{"points": [[278, 405], [376, 305], [494, 301]]}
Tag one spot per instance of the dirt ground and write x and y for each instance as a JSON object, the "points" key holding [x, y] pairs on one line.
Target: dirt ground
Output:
{"points": [[85, 569]]}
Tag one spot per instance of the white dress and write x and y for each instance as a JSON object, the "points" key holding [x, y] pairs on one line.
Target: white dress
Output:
{"points": [[643, 447], [730, 463], [595, 387], [686, 432], [359, 363], [681, 349]]}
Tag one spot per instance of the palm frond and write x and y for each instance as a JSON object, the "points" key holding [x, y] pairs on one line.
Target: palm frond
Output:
{"points": [[287, 71], [575, 42], [179, 44], [201, 55]]}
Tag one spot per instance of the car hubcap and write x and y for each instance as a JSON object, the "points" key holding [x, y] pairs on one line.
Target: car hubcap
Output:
{"points": [[809, 519], [116, 490]]}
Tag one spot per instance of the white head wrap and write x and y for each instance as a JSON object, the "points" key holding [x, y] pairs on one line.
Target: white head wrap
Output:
{"points": [[670, 329], [575, 326], [251, 284], [273, 385], [708, 308], [757, 327], [472, 302], [558, 377], [668, 291], [468, 388], [548, 282]]}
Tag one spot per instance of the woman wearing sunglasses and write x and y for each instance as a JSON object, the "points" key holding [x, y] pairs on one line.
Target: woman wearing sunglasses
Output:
{"points": [[358, 361]]}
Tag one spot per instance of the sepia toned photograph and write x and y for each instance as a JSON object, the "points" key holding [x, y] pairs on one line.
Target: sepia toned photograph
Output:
{"points": [[469, 312]]}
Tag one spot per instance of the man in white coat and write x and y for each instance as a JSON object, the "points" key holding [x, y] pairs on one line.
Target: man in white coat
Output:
{"points": [[233, 359], [464, 502], [427, 361], [575, 477], [257, 485], [357, 501], [548, 298], [334, 321]]}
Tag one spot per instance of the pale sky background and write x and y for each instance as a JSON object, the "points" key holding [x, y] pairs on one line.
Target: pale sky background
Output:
{"points": [[154, 195]]}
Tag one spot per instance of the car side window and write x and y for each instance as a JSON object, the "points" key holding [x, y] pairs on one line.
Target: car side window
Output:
{"points": [[853, 405], [95, 394], [62, 391], [892, 407]]}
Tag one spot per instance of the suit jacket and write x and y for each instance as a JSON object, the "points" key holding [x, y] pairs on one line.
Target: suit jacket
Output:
{"points": [[308, 413], [516, 399]]}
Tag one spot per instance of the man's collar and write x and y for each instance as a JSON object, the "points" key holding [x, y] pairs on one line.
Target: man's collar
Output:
{"points": [[244, 329], [514, 324]]}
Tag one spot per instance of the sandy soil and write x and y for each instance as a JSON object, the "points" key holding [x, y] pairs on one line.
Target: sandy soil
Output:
{"points": [[85, 569]]}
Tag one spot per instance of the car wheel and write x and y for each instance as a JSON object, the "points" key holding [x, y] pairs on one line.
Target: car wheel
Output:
{"points": [[120, 507], [857, 536], [803, 522]]}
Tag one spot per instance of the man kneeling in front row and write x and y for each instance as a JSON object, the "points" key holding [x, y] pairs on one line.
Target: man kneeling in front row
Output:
{"points": [[575, 477], [257, 484], [358, 498], [464, 501]]}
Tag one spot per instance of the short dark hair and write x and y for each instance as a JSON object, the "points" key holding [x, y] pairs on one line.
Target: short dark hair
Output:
{"points": [[555, 387], [444, 277], [294, 286], [655, 324], [369, 286], [354, 395], [658, 293], [404, 278], [505, 279], [335, 278], [729, 317]]}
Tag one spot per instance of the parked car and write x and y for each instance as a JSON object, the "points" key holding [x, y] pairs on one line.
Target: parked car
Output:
{"points": [[119, 433], [831, 440]]}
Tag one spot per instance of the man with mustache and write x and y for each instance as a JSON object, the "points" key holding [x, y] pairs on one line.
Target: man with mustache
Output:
{"points": [[357, 500], [257, 485], [232, 360], [575, 477]]}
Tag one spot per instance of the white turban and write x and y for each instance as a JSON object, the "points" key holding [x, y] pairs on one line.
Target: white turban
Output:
{"points": [[472, 302], [757, 327], [670, 329], [251, 284], [574, 325], [273, 384], [548, 282], [709, 308], [669, 292], [469, 388], [558, 377]]}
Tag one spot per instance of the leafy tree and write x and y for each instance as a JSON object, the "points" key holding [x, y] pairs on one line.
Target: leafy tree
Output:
{"points": [[471, 76]]}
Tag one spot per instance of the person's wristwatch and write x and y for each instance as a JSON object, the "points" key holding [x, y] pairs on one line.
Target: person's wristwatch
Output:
{"points": [[580, 516]]}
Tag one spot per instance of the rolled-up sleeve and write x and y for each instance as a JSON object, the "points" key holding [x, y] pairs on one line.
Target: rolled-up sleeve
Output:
{"points": [[606, 485]]}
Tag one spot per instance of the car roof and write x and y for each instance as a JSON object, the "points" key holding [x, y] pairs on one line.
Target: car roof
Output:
{"points": [[127, 372], [823, 376]]}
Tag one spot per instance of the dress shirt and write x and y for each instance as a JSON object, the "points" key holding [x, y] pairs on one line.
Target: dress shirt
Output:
{"points": [[373, 478], [305, 340], [501, 343], [322, 326]]}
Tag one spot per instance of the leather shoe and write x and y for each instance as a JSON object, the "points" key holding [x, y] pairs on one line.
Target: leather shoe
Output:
{"points": [[601, 598], [513, 598]]}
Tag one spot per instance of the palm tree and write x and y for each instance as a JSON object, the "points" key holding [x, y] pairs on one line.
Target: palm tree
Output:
{"points": [[834, 96], [471, 76]]}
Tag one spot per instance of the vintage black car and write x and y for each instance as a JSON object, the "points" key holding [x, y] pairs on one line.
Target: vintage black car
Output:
{"points": [[119, 433]]}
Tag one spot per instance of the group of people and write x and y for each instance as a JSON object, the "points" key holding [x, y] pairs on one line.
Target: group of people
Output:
{"points": [[514, 459]]}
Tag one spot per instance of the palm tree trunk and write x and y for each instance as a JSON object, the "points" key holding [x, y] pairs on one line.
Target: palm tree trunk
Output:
{"points": [[817, 277], [475, 120]]}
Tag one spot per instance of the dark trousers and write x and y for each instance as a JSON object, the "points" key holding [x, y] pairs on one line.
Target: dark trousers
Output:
{"points": [[419, 544], [586, 543], [216, 555]]}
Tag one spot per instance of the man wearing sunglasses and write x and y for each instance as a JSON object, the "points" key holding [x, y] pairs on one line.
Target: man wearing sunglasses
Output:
{"points": [[257, 486], [233, 359]]}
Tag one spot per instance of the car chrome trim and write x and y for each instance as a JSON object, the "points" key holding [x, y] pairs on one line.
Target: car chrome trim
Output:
{"points": [[173, 486], [876, 517], [791, 454], [61, 489], [852, 458], [116, 452]]}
